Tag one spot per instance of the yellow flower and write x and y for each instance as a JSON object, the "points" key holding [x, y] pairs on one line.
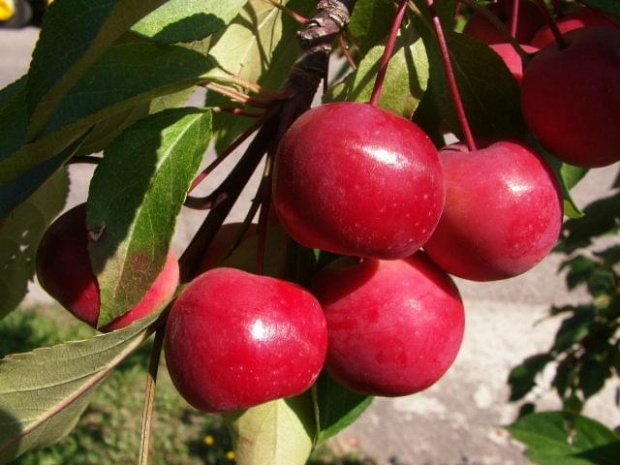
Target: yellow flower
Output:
{"points": [[230, 455], [209, 440]]}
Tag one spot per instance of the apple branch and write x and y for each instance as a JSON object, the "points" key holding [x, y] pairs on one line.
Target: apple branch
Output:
{"points": [[451, 78], [387, 53]]}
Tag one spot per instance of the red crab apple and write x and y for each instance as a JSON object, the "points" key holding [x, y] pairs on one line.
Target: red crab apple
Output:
{"points": [[571, 97], [512, 59], [357, 180], [530, 20], [503, 212], [394, 326], [64, 270], [234, 339], [584, 17]]}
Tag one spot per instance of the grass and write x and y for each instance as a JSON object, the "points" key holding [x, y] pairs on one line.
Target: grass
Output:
{"points": [[109, 430]]}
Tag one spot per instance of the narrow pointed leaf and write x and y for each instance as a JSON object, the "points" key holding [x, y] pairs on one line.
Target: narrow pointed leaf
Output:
{"points": [[277, 433], [76, 33], [20, 233], [126, 76], [135, 195], [42, 393], [556, 437], [187, 20]]}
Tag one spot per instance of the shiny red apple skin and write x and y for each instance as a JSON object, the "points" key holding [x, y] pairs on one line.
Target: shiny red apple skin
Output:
{"points": [[584, 17], [529, 22], [395, 326], [357, 180], [512, 59], [571, 97], [64, 270], [503, 212], [234, 340]]}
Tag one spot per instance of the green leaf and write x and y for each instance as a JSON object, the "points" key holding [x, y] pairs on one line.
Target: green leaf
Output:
{"points": [[371, 22], [522, 378], [573, 330], [135, 196], [568, 176], [405, 81], [187, 20], [126, 76], [259, 46], [608, 6], [336, 407], [16, 191], [19, 237], [489, 92], [594, 372], [275, 433], [76, 33], [558, 438], [43, 393], [8, 92]]}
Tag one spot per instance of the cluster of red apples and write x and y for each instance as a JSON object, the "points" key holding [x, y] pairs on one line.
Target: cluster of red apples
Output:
{"points": [[384, 319]]}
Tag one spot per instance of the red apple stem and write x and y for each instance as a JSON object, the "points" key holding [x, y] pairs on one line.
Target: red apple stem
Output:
{"points": [[451, 78], [264, 194], [559, 38], [229, 150], [387, 53], [346, 52], [489, 16], [514, 18], [149, 396], [237, 111]]}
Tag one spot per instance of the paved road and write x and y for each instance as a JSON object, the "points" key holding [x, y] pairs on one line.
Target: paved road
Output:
{"points": [[459, 420]]}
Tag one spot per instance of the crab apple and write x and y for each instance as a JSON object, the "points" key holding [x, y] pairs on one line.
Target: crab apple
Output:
{"points": [[234, 339], [64, 270], [584, 17], [357, 180], [529, 21], [511, 58], [503, 212], [571, 97], [394, 326]]}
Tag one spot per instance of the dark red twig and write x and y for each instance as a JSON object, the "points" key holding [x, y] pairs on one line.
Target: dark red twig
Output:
{"points": [[387, 53], [452, 84], [514, 18], [559, 38]]}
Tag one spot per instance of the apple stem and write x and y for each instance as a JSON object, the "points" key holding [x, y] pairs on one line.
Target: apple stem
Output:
{"points": [[263, 216], [346, 52], [149, 396], [514, 18], [237, 111], [229, 150], [387, 53], [489, 16], [559, 38], [451, 78]]}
